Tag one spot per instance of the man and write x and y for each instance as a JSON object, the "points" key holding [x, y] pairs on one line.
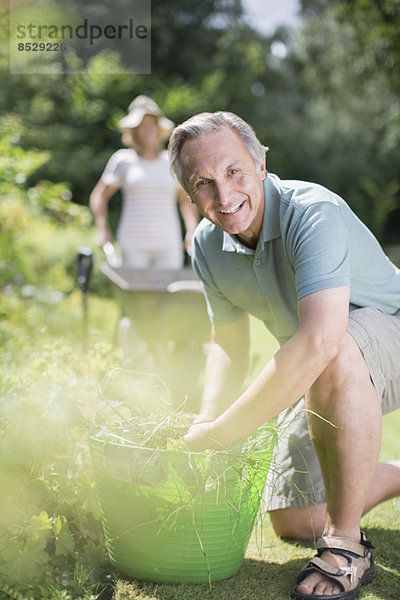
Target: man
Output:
{"points": [[294, 255]]}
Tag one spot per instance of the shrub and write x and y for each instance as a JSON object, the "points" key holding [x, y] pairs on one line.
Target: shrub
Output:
{"points": [[51, 538]]}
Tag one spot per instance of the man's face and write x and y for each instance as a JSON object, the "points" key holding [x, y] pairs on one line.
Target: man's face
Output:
{"points": [[224, 184]]}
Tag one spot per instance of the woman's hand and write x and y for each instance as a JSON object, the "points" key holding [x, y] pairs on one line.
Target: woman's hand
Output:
{"points": [[104, 236], [187, 243]]}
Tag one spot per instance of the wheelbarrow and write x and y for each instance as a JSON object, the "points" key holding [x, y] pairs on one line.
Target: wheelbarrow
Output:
{"points": [[164, 326]]}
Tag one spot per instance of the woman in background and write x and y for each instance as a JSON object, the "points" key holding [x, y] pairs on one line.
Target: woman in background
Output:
{"points": [[149, 233]]}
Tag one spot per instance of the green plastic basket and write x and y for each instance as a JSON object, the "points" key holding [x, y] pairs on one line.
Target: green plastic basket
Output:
{"points": [[173, 516]]}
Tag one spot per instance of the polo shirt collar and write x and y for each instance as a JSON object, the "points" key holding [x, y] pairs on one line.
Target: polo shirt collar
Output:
{"points": [[271, 223]]}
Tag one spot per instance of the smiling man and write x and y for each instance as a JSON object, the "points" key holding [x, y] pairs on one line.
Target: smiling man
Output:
{"points": [[231, 195], [294, 255]]}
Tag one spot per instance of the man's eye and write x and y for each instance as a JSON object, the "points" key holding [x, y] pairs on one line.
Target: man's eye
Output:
{"points": [[202, 182], [233, 171]]}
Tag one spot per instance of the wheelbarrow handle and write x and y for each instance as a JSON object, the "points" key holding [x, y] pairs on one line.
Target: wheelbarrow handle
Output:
{"points": [[85, 266]]}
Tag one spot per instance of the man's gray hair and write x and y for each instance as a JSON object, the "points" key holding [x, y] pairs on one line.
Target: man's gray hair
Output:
{"points": [[206, 123]]}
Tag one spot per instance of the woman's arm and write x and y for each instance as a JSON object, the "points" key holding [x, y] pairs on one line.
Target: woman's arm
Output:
{"points": [[98, 203], [190, 217]]}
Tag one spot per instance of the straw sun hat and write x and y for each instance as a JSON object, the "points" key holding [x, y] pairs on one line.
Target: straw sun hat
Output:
{"points": [[141, 106]]}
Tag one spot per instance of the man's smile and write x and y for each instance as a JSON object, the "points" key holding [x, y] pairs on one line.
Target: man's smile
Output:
{"points": [[234, 209]]}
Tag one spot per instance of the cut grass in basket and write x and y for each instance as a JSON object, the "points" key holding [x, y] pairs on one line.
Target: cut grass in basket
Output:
{"points": [[151, 487], [171, 515]]}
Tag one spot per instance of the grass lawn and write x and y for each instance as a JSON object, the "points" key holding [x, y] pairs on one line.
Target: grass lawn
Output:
{"points": [[271, 565]]}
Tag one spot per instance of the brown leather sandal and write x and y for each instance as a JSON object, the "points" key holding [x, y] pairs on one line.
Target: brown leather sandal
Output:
{"points": [[359, 571]]}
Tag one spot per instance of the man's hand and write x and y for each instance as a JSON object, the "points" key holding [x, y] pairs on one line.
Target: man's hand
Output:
{"points": [[200, 437]]}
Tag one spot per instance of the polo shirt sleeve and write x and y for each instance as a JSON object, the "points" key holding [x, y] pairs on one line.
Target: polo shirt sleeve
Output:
{"points": [[319, 247], [220, 310], [113, 172]]}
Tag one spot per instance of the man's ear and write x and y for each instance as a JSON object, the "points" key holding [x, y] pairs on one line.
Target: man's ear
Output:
{"points": [[263, 169]]}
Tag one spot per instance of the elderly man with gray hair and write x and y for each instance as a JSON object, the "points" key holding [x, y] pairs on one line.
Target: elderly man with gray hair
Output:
{"points": [[294, 255]]}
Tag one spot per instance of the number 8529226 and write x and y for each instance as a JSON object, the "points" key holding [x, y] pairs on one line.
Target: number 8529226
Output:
{"points": [[40, 47]]}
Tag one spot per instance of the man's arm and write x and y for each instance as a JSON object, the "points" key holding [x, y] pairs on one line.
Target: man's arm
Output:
{"points": [[226, 367], [287, 376]]}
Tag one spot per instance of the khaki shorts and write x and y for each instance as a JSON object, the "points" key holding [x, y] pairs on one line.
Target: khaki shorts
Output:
{"points": [[295, 477]]}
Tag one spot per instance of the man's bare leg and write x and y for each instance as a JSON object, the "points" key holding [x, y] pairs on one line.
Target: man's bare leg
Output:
{"points": [[307, 522], [348, 455]]}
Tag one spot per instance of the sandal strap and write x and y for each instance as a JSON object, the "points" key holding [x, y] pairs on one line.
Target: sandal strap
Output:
{"points": [[338, 575], [330, 542], [366, 542], [347, 577], [331, 570]]}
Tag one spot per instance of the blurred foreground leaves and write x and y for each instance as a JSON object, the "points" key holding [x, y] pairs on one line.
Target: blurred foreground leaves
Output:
{"points": [[50, 535], [49, 519]]}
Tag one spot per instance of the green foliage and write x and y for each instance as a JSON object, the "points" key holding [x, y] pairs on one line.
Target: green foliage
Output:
{"points": [[204, 57], [18, 165], [349, 56], [51, 543], [40, 231], [49, 520], [327, 106]]}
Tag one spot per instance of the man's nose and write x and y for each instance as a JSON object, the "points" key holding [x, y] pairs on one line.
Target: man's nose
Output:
{"points": [[222, 192]]}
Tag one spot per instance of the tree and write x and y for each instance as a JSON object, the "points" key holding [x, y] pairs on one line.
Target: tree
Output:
{"points": [[349, 53], [204, 58]]}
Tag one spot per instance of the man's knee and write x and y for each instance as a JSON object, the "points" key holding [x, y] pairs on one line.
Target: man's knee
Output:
{"points": [[299, 522]]}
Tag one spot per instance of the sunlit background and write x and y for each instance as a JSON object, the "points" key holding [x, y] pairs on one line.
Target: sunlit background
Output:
{"points": [[320, 83]]}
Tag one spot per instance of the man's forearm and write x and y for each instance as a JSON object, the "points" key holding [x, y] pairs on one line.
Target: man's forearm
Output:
{"points": [[223, 382], [226, 368], [283, 381]]}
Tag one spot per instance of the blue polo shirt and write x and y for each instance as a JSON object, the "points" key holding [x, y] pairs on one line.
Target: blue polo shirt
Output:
{"points": [[310, 241]]}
